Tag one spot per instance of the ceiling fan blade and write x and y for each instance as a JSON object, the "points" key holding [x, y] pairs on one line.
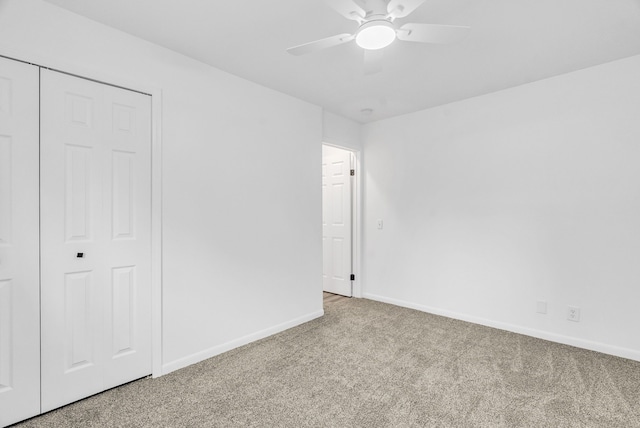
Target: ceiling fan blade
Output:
{"points": [[321, 44], [347, 8], [402, 8], [373, 61], [432, 33]]}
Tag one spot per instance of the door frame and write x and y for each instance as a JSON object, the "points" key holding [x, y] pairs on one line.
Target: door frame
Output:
{"points": [[356, 216], [71, 68]]}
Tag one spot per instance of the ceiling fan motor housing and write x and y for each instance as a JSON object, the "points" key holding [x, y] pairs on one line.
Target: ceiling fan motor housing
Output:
{"points": [[376, 33]]}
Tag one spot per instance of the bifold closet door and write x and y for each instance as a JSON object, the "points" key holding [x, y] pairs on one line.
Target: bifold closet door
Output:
{"points": [[19, 255], [95, 237]]}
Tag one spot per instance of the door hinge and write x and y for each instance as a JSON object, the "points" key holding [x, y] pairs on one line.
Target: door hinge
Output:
{"points": [[353, 172], [353, 277]]}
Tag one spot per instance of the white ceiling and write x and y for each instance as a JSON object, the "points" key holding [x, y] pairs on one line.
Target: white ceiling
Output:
{"points": [[511, 42]]}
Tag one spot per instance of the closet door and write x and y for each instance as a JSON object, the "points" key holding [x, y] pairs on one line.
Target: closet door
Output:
{"points": [[95, 237], [19, 251]]}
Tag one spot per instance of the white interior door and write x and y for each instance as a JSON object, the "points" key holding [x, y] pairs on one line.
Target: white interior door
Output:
{"points": [[95, 237], [19, 248], [336, 220]]}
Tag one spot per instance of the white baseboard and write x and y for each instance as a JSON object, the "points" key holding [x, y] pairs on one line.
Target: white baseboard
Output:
{"points": [[216, 350], [631, 354]]}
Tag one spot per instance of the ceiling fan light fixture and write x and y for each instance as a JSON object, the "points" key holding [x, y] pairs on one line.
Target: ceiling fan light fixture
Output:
{"points": [[376, 34]]}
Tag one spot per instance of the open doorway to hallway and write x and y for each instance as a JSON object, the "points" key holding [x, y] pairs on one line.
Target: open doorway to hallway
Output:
{"points": [[338, 220]]}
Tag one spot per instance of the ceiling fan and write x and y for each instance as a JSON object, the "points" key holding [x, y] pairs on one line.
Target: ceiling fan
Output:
{"points": [[376, 30]]}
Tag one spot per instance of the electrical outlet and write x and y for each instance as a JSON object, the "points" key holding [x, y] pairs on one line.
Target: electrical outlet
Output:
{"points": [[573, 313], [541, 307]]}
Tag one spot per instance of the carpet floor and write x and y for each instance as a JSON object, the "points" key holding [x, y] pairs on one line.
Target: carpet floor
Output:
{"points": [[369, 364]]}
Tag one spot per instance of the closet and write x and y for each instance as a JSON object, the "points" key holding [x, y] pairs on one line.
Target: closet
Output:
{"points": [[75, 238]]}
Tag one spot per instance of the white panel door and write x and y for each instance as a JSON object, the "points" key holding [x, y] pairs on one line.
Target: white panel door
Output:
{"points": [[95, 237], [127, 204], [336, 220], [19, 247]]}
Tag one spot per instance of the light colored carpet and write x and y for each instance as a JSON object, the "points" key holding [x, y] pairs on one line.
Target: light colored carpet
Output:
{"points": [[369, 364]]}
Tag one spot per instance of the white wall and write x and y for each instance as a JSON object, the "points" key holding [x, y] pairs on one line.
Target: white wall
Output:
{"points": [[493, 203], [241, 222], [340, 131]]}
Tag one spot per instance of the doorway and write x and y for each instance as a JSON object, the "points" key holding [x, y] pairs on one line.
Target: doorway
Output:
{"points": [[339, 228]]}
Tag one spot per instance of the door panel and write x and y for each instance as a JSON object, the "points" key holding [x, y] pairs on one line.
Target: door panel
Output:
{"points": [[96, 291], [19, 248], [77, 193], [78, 333], [122, 177], [72, 123], [336, 223], [6, 324], [127, 202], [124, 292], [5, 189]]}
